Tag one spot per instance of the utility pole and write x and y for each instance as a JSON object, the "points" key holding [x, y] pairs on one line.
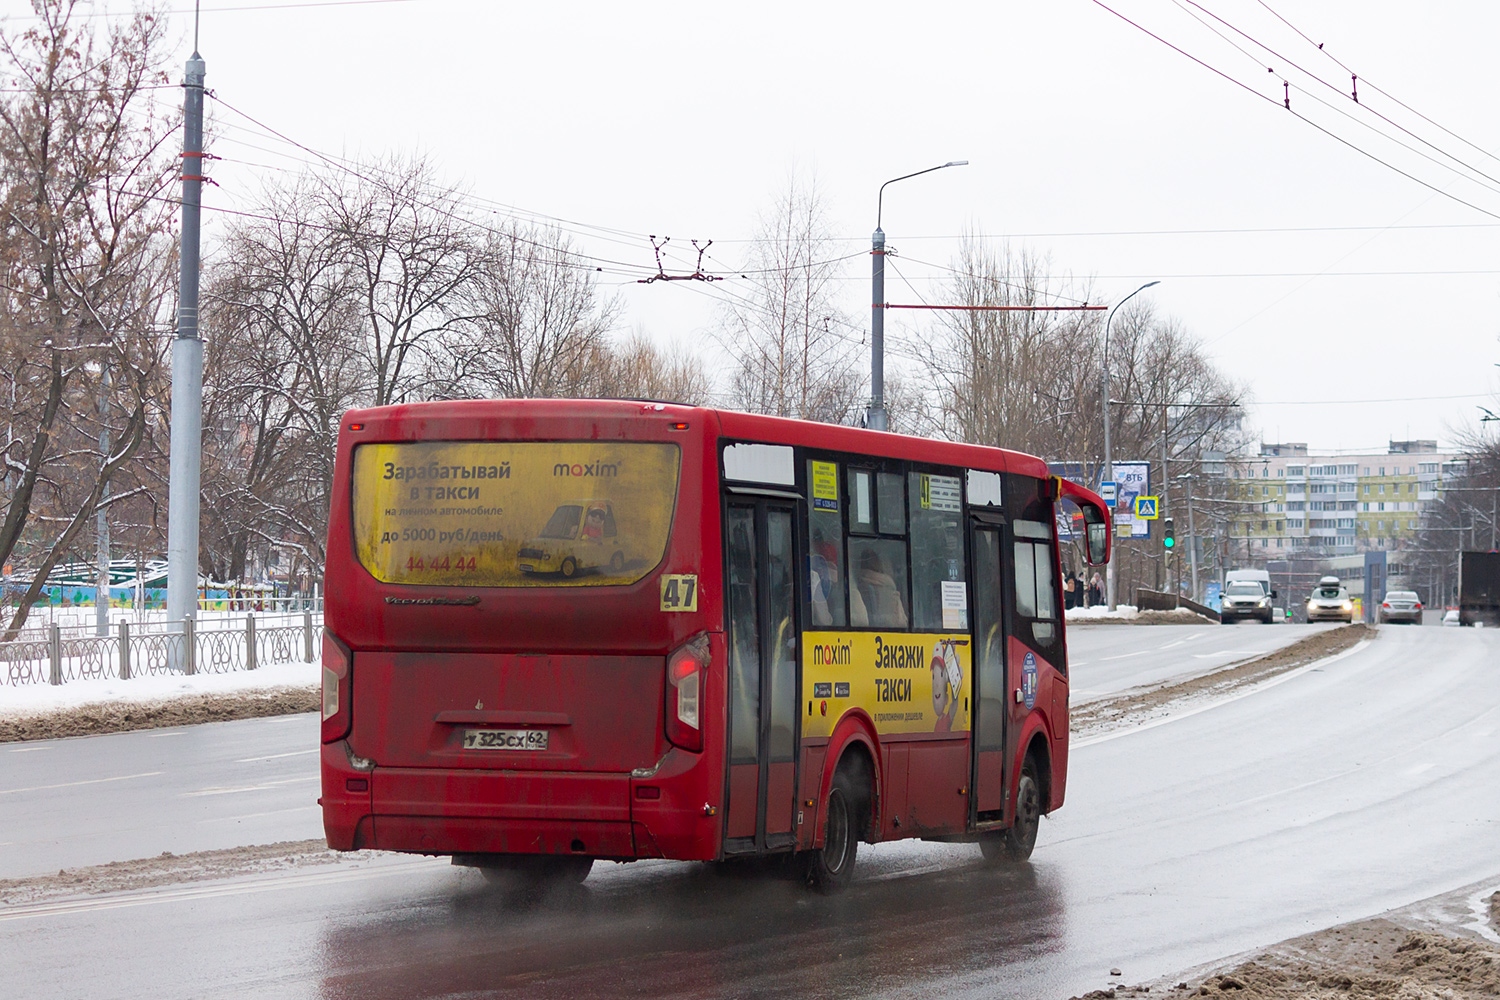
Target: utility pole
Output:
{"points": [[187, 367], [101, 517], [875, 417]]}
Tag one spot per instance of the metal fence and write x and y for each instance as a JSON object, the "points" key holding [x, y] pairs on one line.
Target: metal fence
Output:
{"points": [[52, 658]]}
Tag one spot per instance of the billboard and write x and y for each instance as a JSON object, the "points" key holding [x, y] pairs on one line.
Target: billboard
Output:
{"points": [[1132, 479]]}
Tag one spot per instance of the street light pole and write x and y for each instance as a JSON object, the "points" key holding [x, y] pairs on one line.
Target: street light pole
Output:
{"points": [[1192, 532], [875, 419], [1109, 468]]}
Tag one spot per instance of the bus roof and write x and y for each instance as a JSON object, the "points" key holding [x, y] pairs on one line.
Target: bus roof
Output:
{"points": [[428, 419]]}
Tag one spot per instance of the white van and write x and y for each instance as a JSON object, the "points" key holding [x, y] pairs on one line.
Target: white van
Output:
{"points": [[1259, 576]]}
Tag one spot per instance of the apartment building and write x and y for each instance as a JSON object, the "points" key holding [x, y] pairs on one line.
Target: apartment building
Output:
{"points": [[1287, 501]]}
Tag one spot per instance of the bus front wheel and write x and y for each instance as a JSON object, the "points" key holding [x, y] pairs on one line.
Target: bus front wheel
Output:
{"points": [[830, 867], [1016, 843], [569, 567]]}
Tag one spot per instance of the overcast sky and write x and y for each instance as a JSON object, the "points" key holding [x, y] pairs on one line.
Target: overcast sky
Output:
{"points": [[1090, 142]]}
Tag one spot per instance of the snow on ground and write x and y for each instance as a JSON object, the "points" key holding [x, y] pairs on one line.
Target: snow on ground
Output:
{"points": [[36, 699], [1101, 612]]}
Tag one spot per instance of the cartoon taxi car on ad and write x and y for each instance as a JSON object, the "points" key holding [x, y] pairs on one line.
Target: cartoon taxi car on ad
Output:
{"points": [[579, 537]]}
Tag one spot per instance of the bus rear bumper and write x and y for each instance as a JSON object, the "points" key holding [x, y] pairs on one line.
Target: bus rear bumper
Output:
{"points": [[469, 811]]}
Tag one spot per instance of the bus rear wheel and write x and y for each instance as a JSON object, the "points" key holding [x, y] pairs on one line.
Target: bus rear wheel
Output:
{"points": [[830, 868], [1016, 843]]}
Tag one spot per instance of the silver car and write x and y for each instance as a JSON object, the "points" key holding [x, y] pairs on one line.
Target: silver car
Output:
{"points": [[1330, 602], [1246, 599], [1401, 606]]}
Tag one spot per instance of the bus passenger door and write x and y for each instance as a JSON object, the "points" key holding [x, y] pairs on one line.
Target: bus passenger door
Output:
{"points": [[760, 560], [989, 672]]}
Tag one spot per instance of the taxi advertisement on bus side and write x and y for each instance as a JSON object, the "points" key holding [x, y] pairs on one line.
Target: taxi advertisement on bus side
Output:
{"points": [[908, 682]]}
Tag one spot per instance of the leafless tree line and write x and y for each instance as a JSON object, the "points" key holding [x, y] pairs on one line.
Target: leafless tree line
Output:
{"points": [[381, 285], [1464, 516]]}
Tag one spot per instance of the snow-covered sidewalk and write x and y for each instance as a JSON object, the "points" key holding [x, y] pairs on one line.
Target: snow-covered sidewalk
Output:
{"points": [[41, 699]]}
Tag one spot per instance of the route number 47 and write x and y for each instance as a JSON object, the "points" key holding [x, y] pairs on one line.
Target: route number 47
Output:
{"points": [[679, 593]]}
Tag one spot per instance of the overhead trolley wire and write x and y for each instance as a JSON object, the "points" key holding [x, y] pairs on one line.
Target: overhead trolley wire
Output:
{"points": [[1301, 117], [1384, 93]]}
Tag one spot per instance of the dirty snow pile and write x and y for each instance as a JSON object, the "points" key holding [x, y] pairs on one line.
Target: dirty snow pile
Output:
{"points": [[37, 699]]}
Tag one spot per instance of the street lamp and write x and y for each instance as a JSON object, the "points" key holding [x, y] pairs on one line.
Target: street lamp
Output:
{"points": [[875, 418], [1109, 468]]}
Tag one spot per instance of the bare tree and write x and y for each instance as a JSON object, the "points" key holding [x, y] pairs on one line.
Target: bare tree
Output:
{"points": [[285, 307], [639, 369], [534, 327], [785, 334], [416, 259], [83, 158]]}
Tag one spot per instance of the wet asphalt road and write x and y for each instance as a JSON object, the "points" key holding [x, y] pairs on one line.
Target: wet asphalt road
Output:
{"points": [[1108, 659], [1364, 784], [198, 788], [65, 803]]}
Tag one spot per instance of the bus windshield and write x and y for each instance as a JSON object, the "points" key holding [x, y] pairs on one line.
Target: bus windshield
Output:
{"points": [[513, 514]]}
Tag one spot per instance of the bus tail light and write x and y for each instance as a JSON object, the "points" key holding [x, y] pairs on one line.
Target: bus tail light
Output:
{"points": [[684, 689], [336, 694]]}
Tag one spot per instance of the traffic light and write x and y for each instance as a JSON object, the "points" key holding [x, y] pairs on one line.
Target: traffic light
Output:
{"points": [[1168, 539]]}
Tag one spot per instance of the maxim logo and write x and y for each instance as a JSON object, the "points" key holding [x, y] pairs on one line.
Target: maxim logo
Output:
{"points": [[832, 654], [600, 469]]}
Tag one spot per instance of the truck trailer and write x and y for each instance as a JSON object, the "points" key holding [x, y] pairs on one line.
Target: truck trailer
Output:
{"points": [[1479, 589]]}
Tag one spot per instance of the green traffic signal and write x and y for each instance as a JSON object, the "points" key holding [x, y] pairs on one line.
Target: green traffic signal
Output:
{"points": [[1168, 539]]}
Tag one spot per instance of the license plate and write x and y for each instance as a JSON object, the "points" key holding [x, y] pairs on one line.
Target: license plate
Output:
{"points": [[505, 739]]}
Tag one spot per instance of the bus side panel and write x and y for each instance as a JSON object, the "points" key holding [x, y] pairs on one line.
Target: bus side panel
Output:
{"points": [[1027, 720], [677, 808], [897, 788], [1057, 723], [937, 787], [810, 783]]}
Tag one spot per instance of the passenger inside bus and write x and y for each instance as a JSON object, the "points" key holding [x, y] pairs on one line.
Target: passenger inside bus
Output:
{"points": [[825, 580], [875, 599]]}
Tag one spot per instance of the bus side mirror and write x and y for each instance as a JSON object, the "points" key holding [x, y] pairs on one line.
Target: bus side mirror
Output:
{"points": [[1273, 595], [1097, 535]]}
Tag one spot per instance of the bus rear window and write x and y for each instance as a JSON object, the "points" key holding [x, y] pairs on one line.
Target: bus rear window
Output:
{"points": [[513, 514]]}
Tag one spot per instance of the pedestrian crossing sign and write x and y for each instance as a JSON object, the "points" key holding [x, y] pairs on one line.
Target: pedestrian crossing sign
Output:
{"points": [[1146, 508]]}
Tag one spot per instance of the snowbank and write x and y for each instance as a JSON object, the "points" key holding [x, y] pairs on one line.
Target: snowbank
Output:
{"points": [[35, 699], [1100, 612]]}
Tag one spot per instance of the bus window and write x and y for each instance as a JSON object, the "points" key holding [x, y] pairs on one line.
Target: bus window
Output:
{"points": [[878, 574], [782, 634], [825, 535], [937, 553], [1036, 580], [744, 651], [891, 505], [513, 513], [861, 504]]}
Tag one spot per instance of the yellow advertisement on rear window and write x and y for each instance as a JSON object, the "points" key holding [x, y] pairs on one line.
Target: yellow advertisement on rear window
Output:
{"points": [[908, 682], [513, 514]]}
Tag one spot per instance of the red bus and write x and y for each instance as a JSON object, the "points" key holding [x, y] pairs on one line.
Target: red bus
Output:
{"points": [[568, 630]]}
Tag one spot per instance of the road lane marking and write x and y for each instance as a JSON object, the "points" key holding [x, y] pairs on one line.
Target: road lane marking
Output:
{"points": [[208, 892], [75, 784], [1170, 645], [157, 736], [260, 787], [1139, 652], [29, 749], [277, 756]]}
